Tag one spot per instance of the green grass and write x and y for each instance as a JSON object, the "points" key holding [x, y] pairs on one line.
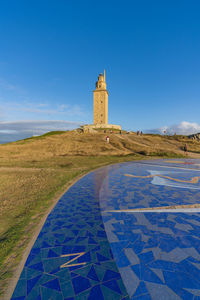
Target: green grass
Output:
{"points": [[163, 154], [24, 214], [166, 154], [40, 137], [53, 133], [193, 151]]}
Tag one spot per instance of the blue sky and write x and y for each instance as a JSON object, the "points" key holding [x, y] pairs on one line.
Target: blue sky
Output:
{"points": [[51, 53]]}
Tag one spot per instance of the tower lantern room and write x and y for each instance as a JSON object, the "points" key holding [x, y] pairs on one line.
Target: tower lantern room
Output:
{"points": [[101, 83]]}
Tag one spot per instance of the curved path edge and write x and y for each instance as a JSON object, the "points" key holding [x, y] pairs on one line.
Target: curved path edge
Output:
{"points": [[14, 279], [111, 274]]}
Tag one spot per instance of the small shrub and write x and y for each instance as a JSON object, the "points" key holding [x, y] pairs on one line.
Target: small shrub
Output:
{"points": [[143, 152]]}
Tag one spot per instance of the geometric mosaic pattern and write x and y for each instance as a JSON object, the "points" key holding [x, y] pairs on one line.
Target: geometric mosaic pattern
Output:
{"points": [[89, 249], [158, 254], [126, 192], [71, 258]]}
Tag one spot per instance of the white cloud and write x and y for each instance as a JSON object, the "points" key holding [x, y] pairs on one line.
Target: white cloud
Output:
{"points": [[12, 131], [15, 102], [43, 109], [184, 128]]}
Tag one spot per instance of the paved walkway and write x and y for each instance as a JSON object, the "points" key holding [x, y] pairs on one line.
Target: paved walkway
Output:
{"points": [[97, 243]]}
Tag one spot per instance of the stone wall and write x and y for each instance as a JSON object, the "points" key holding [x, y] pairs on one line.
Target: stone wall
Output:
{"points": [[91, 128]]}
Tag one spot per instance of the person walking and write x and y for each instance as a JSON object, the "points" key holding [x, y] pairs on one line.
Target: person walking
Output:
{"points": [[185, 148], [107, 139]]}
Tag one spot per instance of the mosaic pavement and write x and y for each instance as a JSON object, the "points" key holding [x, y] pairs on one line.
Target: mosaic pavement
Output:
{"points": [[93, 244]]}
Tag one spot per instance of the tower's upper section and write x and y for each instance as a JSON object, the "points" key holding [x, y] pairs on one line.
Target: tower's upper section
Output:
{"points": [[101, 83]]}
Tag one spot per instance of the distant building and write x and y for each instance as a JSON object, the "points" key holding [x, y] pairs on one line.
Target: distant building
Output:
{"points": [[100, 107]]}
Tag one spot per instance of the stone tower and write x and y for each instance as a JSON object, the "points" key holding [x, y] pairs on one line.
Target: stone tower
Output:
{"points": [[100, 101], [100, 108]]}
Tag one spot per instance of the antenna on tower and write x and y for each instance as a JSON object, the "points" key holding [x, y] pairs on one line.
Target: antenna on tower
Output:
{"points": [[104, 75]]}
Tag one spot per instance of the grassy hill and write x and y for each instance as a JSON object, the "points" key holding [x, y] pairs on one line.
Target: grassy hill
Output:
{"points": [[35, 172], [60, 143]]}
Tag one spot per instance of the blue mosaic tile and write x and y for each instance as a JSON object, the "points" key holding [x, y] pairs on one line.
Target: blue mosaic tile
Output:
{"points": [[38, 267], [101, 258], [113, 285], [92, 274], [142, 297], [111, 275], [53, 284], [67, 289], [141, 289], [31, 283], [80, 284], [95, 293], [75, 257], [48, 293], [146, 257], [122, 260], [164, 234], [70, 235]]}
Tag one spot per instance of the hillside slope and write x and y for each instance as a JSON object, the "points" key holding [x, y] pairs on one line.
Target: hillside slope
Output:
{"points": [[73, 144]]}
